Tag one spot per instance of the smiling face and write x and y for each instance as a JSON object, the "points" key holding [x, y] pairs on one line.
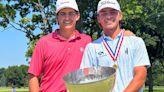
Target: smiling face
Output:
{"points": [[109, 18], [67, 18]]}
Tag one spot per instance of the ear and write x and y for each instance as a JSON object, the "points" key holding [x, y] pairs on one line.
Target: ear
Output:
{"points": [[78, 16], [98, 19], [56, 18], [120, 16]]}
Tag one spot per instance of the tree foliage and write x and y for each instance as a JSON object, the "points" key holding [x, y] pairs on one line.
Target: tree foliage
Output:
{"points": [[145, 19], [2, 77], [14, 76]]}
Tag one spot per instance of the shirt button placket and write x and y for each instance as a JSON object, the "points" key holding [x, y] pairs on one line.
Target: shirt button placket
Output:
{"points": [[69, 48]]}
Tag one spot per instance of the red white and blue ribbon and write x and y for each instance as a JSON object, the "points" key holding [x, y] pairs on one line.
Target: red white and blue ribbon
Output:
{"points": [[114, 54]]}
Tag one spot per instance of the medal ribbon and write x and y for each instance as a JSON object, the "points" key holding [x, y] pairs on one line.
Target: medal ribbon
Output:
{"points": [[114, 54]]}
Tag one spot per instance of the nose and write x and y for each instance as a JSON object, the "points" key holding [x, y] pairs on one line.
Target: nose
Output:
{"points": [[108, 16], [67, 16]]}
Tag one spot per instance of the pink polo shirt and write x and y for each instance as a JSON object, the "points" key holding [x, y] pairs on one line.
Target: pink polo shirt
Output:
{"points": [[54, 57]]}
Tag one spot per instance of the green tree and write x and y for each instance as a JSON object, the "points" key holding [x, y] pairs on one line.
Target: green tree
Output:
{"points": [[17, 76], [158, 74], [24, 79], [2, 71], [2, 77], [3, 81]]}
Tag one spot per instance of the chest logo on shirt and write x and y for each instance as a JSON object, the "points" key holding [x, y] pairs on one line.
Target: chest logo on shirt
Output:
{"points": [[81, 49], [101, 53], [126, 51]]}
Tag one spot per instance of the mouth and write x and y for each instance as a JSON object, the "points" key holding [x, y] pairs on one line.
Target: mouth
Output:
{"points": [[67, 22], [109, 21]]}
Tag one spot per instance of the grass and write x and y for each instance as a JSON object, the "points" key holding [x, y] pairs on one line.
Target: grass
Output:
{"points": [[155, 89], [9, 89], [25, 89]]}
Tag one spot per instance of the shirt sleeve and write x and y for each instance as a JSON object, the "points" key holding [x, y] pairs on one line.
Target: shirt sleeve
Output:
{"points": [[141, 56], [37, 59]]}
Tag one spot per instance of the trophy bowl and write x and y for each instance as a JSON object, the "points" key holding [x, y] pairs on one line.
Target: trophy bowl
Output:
{"points": [[93, 79]]}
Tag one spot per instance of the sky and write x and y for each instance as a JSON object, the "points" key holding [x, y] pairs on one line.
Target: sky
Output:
{"points": [[13, 46]]}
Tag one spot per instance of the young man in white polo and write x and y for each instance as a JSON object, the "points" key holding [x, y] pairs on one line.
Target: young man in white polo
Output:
{"points": [[127, 54]]}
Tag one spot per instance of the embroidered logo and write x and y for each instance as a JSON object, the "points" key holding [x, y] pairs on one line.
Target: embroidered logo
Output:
{"points": [[81, 49], [101, 54], [126, 51]]}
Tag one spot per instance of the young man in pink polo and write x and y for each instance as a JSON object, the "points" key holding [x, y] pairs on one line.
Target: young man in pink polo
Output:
{"points": [[59, 52]]}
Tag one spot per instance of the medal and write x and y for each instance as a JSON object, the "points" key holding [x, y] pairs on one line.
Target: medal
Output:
{"points": [[115, 66], [114, 54]]}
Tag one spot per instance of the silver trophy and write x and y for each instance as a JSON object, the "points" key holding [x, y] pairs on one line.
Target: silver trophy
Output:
{"points": [[94, 79]]}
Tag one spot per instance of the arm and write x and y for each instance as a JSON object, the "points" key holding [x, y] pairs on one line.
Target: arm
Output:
{"points": [[138, 81], [33, 83], [35, 68], [141, 63]]}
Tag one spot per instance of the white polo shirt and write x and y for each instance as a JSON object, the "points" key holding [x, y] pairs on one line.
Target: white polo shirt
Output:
{"points": [[132, 53]]}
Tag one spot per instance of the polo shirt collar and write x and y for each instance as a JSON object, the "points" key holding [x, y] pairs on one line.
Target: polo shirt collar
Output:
{"points": [[109, 38], [57, 36]]}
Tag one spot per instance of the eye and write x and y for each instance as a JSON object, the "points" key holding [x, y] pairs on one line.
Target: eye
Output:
{"points": [[113, 12], [62, 14], [72, 13], [104, 14]]}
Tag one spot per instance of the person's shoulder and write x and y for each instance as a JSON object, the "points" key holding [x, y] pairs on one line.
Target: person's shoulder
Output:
{"points": [[85, 35], [134, 39], [99, 40], [95, 45], [96, 42], [45, 38]]}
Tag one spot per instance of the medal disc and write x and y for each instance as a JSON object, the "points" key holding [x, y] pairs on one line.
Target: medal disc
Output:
{"points": [[115, 66]]}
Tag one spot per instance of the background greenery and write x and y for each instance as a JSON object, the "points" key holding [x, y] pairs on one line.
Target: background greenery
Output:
{"points": [[144, 17]]}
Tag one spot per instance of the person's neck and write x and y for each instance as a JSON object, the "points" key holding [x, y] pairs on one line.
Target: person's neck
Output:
{"points": [[112, 32], [66, 33]]}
